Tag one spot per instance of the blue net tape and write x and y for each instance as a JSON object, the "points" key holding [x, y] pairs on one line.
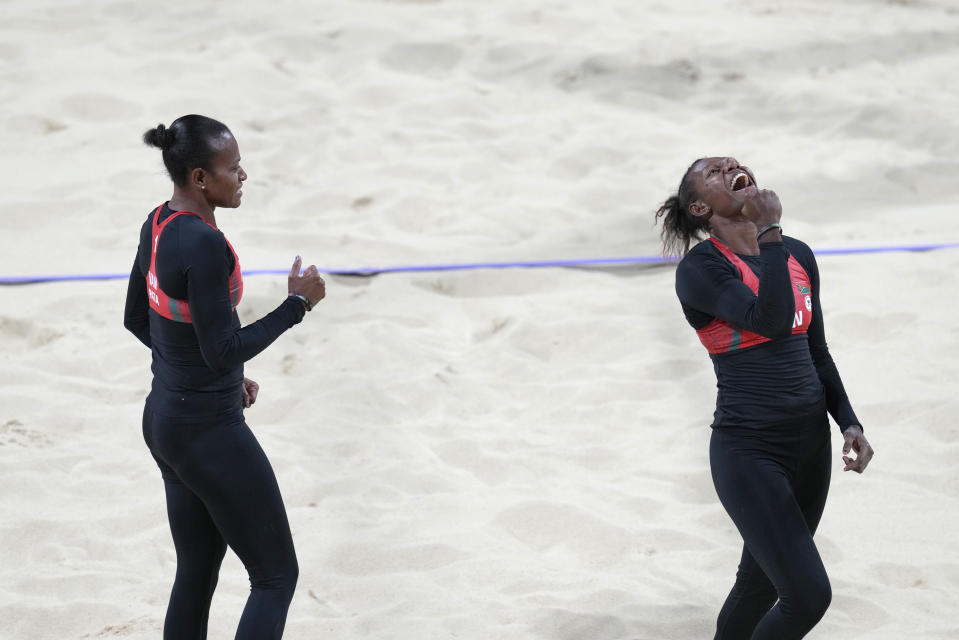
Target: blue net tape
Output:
{"points": [[531, 264]]}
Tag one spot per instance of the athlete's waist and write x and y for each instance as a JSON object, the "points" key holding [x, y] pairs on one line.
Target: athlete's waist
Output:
{"points": [[183, 403], [771, 416]]}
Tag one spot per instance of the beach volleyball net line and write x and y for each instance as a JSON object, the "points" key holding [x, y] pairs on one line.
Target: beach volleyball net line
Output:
{"points": [[470, 266]]}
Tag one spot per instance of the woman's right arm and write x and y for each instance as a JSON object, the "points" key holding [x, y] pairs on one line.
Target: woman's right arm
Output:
{"points": [[136, 314], [223, 346], [705, 281]]}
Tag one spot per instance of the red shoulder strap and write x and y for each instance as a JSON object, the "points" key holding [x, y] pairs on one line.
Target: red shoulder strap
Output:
{"points": [[169, 308], [179, 310], [747, 275]]}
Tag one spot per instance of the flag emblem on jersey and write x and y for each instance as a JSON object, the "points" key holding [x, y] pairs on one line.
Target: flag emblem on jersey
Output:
{"points": [[803, 289]]}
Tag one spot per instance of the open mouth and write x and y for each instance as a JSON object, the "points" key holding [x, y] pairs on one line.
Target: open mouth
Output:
{"points": [[740, 181]]}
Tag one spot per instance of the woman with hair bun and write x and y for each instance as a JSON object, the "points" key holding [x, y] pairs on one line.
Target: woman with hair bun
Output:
{"points": [[181, 302], [752, 295]]}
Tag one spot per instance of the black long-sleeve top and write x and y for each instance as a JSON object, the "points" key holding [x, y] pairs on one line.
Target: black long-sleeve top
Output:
{"points": [[776, 381], [198, 367]]}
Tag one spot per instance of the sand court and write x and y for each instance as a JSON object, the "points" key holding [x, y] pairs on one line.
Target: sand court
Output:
{"points": [[493, 453]]}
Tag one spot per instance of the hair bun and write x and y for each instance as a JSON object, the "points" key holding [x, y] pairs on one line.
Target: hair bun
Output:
{"points": [[160, 137]]}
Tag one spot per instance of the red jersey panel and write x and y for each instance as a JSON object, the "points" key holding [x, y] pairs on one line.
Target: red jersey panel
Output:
{"points": [[721, 337], [179, 310]]}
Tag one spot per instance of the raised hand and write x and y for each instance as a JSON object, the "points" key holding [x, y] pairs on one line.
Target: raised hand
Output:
{"points": [[308, 284], [762, 206]]}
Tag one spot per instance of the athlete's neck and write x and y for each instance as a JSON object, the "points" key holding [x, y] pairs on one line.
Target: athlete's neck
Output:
{"points": [[183, 200], [739, 234]]}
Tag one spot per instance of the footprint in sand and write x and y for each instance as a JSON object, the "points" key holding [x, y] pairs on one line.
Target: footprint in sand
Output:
{"points": [[581, 162], [375, 559], [673, 370], [30, 123], [868, 615], [643, 621], [939, 423], [656, 541], [694, 488], [94, 107], [560, 624], [899, 576], [13, 432], [442, 286], [291, 51], [548, 525], [138, 626], [425, 58], [534, 341], [490, 329], [643, 506], [473, 284], [21, 329], [35, 336], [470, 457], [613, 76]]}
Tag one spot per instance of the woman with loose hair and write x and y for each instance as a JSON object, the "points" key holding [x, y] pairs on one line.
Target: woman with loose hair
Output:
{"points": [[752, 296], [181, 303]]}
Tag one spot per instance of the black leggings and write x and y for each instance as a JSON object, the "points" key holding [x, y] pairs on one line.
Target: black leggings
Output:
{"points": [[773, 483], [221, 490]]}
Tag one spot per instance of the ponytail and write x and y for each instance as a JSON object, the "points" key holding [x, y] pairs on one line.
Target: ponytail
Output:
{"points": [[680, 227]]}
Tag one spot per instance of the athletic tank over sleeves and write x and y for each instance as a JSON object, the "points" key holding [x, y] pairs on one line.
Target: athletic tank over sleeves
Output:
{"points": [[179, 310], [197, 366], [720, 336], [784, 369]]}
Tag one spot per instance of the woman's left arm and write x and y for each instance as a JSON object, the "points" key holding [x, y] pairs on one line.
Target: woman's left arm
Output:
{"points": [[222, 345], [136, 312], [837, 402]]}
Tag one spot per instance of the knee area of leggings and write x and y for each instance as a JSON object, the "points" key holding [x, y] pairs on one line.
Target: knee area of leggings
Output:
{"points": [[825, 595], [293, 573], [813, 599], [282, 577], [291, 568]]}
